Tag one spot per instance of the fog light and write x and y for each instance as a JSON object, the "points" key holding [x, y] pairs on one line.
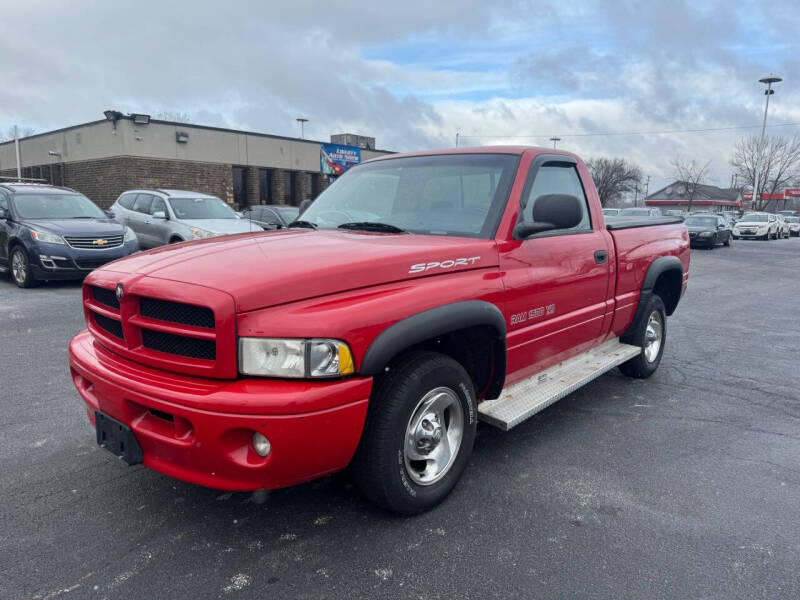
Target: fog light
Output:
{"points": [[261, 444]]}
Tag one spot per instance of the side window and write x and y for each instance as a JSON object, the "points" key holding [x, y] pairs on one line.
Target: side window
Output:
{"points": [[142, 203], [3, 201], [158, 205], [558, 178], [126, 201]]}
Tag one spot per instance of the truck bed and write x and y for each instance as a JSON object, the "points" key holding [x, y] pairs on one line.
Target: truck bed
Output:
{"points": [[616, 223]]}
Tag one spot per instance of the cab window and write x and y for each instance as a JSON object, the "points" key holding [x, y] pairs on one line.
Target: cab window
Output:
{"points": [[558, 178]]}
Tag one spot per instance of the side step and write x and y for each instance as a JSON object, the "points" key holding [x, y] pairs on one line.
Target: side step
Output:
{"points": [[528, 397]]}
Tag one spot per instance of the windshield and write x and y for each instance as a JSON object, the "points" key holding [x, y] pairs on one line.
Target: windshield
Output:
{"points": [[710, 222], [751, 218], [201, 208], [793, 219], [635, 212], [448, 194], [287, 213], [56, 206]]}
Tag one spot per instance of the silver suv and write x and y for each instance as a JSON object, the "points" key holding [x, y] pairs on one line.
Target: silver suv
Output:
{"points": [[163, 216]]}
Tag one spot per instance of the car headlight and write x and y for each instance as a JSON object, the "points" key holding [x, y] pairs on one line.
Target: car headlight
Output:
{"points": [[294, 358], [201, 233], [130, 236], [46, 237]]}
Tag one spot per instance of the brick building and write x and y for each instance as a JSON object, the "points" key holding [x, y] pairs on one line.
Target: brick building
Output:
{"points": [[104, 158], [708, 198]]}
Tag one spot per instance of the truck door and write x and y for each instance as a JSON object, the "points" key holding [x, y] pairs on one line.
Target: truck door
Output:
{"points": [[556, 281]]}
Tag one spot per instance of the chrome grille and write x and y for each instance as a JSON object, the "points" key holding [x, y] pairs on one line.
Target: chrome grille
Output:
{"points": [[96, 242]]}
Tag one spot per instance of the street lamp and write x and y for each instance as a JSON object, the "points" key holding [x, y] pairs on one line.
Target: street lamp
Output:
{"points": [[555, 140], [768, 81], [302, 121]]}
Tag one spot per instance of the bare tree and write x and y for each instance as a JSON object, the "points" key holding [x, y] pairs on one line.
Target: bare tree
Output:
{"points": [[613, 177], [691, 174], [22, 132], [778, 161], [177, 117]]}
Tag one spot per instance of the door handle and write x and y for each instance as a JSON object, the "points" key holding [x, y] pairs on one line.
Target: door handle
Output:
{"points": [[600, 257]]}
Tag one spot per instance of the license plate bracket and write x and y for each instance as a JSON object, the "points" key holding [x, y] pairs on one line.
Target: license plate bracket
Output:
{"points": [[117, 438]]}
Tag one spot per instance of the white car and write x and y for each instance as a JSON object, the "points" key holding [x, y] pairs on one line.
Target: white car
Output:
{"points": [[794, 226], [783, 227], [162, 216], [756, 225]]}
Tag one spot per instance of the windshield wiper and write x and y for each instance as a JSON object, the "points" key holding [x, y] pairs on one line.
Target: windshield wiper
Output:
{"points": [[372, 226], [301, 223]]}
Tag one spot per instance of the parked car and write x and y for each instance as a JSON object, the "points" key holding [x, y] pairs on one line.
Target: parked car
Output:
{"points": [[640, 212], [271, 216], [794, 226], [163, 216], [708, 230], [55, 233], [783, 227], [673, 212], [756, 225], [611, 212], [380, 329]]}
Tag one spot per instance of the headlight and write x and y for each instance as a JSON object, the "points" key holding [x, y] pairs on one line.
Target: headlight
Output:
{"points": [[47, 238], [130, 236], [294, 358], [200, 233]]}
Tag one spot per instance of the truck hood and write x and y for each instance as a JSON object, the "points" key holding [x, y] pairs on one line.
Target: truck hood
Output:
{"points": [[275, 267]]}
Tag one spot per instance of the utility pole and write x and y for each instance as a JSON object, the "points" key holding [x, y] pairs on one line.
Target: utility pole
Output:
{"points": [[302, 121], [457, 139], [647, 187], [636, 195], [16, 148], [555, 140]]}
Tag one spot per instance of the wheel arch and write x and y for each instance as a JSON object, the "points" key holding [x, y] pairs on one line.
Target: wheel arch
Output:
{"points": [[664, 278], [466, 331]]}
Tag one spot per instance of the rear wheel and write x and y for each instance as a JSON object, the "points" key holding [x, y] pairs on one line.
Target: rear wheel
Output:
{"points": [[21, 271], [650, 334], [419, 433]]}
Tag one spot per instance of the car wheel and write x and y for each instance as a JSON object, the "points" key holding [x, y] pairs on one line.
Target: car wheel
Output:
{"points": [[650, 335], [175, 240], [419, 433], [729, 240], [21, 271]]}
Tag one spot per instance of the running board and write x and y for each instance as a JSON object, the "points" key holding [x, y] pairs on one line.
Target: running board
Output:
{"points": [[528, 397]]}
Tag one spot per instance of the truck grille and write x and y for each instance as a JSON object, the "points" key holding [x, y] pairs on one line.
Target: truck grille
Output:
{"points": [[92, 263], [176, 312], [95, 242], [163, 333], [110, 325], [180, 345]]}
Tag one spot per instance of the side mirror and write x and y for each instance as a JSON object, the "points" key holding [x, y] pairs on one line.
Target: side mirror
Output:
{"points": [[160, 215], [110, 214], [550, 212], [4, 214]]}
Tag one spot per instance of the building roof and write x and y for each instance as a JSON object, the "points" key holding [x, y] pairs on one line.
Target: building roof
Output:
{"points": [[676, 193]]}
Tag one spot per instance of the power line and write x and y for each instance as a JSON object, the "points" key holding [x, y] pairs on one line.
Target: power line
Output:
{"points": [[655, 132]]}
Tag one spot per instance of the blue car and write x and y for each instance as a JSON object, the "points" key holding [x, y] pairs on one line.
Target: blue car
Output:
{"points": [[55, 233]]}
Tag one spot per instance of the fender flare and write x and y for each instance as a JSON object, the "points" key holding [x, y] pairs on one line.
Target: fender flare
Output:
{"points": [[657, 268], [434, 322]]}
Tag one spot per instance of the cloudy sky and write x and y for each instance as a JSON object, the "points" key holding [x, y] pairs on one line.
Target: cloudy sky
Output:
{"points": [[414, 73]]}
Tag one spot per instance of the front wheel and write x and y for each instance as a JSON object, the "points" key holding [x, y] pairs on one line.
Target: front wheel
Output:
{"points": [[729, 241], [419, 433], [21, 271], [649, 334]]}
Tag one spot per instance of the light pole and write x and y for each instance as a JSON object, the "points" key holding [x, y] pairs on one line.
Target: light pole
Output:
{"points": [[768, 80], [555, 140], [302, 121]]}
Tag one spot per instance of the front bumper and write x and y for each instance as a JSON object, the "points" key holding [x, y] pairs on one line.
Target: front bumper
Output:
{"points": [[200, 430], [60, 261]]}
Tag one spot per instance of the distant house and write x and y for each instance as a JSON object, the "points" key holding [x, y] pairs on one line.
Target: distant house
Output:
{"points": [[706, 198]]}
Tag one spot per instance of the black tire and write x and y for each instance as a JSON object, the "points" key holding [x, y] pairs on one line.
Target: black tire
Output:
{"points": [[639, 366], [175, 240], [381, 464], [23, 278], [729, 241]]}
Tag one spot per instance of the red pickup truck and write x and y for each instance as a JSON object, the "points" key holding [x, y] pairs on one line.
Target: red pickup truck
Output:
{"points": [[418, 294]]}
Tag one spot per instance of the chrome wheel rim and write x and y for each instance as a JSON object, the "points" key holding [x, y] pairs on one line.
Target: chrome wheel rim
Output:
{"points": [[18, 267], [433, 436], [653, 336]]}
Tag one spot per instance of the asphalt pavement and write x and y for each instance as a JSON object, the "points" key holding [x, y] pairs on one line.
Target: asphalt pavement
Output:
{"points": [[686, 485]]}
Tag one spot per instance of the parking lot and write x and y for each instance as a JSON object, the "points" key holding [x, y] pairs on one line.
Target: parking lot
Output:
{"points": [[684, 485]]}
